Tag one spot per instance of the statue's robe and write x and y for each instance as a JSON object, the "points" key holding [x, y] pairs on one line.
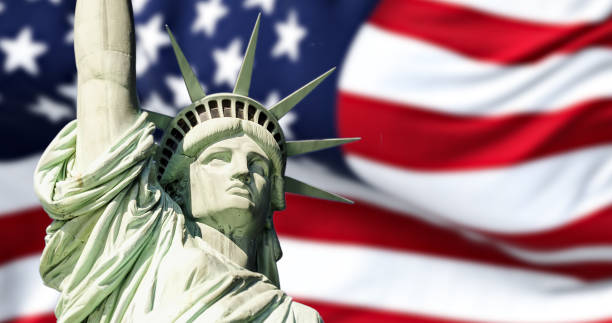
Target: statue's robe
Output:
{"points": [[120, 249]]}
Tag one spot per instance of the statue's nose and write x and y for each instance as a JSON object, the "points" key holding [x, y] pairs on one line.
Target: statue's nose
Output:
{"points": [[241, 170]]}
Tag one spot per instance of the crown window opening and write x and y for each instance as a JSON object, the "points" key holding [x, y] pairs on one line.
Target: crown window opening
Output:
{"points": [[214, 112], [163, 161], [262, 119], [227, 112], [277, 136], [167, 152], [226, 103], [192, 118], [181, 123], [212, 104], [200, 109], [251, 112], [171, 143], [270, 127], [239, 112], [176, 134]]}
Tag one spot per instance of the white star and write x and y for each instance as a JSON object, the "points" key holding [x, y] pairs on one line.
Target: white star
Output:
{"points": [[55, 2], [266, 5], [176, 84], [69, 90], [157, 104], [54, 111], [2, 7], [150, 39], [228, 63], [69, 38], [139, 5], [22, 52], [287, 120], [290, 34], [209, 14], [272, 99]]}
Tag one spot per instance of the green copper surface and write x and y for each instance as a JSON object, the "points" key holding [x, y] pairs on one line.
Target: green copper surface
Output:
{"points": [[292, 185], [305, 146], [244, 76], [191, 81]]}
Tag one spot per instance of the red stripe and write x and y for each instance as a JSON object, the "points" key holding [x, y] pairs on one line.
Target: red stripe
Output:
{"points": [[414, 138], [23, 233], [362, 224], [41, 318], [487, 36], [341, 313]]}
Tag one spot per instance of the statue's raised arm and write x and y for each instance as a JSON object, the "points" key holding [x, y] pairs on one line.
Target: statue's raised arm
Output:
{"points": [[107, 103]]}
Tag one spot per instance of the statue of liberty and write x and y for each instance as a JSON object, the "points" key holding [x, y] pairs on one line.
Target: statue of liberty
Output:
{"points": [[179, 231]]}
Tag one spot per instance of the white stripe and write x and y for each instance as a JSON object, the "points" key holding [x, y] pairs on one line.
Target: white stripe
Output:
{"points": [[533, 196], [22, 291], [543, 11], [17, 189], [558, 257], [434, 286], [408, 71]]}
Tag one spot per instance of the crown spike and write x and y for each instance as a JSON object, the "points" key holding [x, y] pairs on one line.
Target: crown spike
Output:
{"points": [[292, 185], [191, 81], [246, 70], [305, 146], [286, 104]]}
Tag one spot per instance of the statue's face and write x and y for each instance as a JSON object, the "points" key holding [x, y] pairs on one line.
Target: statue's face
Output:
{"points": [[230, 186]]}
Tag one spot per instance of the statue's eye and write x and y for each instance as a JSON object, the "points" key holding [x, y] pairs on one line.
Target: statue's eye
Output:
{"points": [[218, 158], [259, 165]]}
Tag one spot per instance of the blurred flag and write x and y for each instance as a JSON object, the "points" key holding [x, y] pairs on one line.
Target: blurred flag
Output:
{"points": [[483, 181]]}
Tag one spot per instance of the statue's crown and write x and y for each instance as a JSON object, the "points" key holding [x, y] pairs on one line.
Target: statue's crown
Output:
{"points": [[238, 105]]}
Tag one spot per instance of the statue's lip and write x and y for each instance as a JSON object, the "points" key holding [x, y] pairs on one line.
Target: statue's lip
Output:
{"points": [[239, 189]]}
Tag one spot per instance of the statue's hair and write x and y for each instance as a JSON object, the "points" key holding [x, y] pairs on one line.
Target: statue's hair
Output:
{"points": [[215, 130]]}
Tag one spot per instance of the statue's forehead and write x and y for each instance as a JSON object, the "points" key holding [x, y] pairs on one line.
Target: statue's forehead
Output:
{"points": [[238, 143]]}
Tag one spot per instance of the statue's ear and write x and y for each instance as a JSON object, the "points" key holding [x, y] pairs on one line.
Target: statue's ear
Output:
{"points": [[277, 193]]}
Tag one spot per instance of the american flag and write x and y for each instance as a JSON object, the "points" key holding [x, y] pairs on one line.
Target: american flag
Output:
{"points": [[483, 183]]}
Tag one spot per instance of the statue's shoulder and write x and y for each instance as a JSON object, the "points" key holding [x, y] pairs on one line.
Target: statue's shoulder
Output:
{"points": [[304, 313]]}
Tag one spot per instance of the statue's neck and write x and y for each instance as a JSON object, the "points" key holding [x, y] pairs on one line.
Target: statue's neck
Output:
{"points": [[241, 250]]}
